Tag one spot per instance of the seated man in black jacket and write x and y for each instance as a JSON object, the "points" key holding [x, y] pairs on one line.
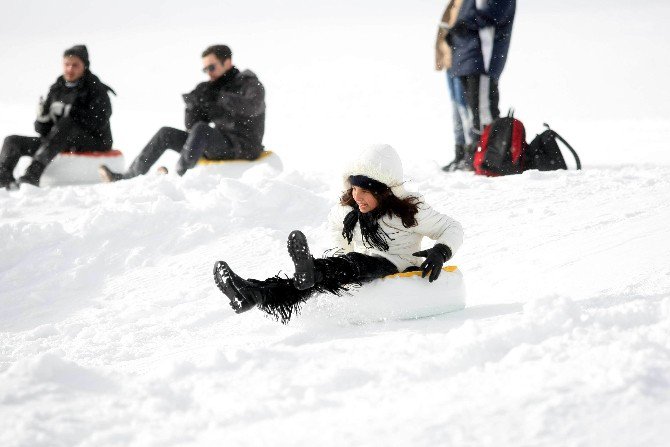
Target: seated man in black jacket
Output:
{"points": [[74, 117], [225, 119]]}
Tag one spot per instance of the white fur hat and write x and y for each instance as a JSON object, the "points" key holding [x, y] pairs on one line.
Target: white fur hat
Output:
{"points": [[379, 162]]}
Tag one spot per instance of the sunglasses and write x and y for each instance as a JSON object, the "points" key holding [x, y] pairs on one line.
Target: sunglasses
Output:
{"points": [[209, 68]]}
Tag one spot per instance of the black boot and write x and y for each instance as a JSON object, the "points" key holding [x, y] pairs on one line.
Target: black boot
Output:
{"points": [[107, 175], [223, 278], [460, 154], [467, 162], [6, 178], [278, 296], [303, 261], [275, 296], [33, 174]]}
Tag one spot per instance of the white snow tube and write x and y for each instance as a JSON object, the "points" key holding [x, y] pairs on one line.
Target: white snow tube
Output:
{"points": [[235, 168], [396, 297], [75, 168]]}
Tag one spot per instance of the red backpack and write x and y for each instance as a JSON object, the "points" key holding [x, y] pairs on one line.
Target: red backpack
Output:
{"points": [[501, 147]]}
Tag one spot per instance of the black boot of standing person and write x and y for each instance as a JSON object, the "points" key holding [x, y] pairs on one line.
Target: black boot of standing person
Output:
{"points": [[460, 154], [466, 163]]}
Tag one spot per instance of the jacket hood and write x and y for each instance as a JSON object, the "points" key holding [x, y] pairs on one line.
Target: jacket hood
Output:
{"points": [[379, 162]]}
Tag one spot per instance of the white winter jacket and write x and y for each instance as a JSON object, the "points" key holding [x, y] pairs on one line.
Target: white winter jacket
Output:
{"points": [[404, 241]]}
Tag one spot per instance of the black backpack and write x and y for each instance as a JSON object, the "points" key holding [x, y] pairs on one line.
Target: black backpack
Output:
{"points": [[501, 147], [544, 154]]}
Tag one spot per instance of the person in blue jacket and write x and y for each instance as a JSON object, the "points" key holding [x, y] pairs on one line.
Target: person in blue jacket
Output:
{"points": [[460, 117], [480, 39]]}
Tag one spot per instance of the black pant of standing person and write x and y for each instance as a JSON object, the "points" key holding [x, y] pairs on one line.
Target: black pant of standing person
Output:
{"points": [[484, 109], [482, 97]]}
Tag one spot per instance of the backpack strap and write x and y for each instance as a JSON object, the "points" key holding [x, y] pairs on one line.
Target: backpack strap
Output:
{"points": [[574, 153]]}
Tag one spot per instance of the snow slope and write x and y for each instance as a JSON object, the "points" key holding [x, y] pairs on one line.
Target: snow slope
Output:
{"points": [[113, 333]]}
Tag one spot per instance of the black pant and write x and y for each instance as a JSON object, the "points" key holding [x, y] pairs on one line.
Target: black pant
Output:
{"points": [[201, 141], [66, 135], [334, 274], [474, 86], [363, 268]]}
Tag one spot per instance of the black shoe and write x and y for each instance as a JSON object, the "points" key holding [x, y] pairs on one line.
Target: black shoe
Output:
{"points": [[223, 277], [13, 186], [451, 167], [303, 261], [33, 174], [463, 165], [180, 170], [6, 179], [107, 175], [459, 154], [466, 161]]}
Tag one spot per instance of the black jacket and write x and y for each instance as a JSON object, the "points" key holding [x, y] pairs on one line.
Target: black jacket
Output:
{"points": [[91, 107], [469, 50], [235, 103]]}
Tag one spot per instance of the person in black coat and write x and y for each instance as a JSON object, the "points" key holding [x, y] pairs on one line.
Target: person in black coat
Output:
{"points": [[224, 119], [480, 39], [74, 117]]}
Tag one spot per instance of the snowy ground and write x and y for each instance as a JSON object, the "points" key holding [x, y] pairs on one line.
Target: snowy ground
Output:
{"points": [[112, 332]]}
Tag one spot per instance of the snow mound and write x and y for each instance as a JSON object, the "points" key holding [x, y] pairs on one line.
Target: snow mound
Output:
{"points": [[112, 324], [48, 373]]}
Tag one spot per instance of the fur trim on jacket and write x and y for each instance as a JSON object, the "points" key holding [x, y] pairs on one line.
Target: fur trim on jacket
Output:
{"points": [[403, 241], [442, 48]]}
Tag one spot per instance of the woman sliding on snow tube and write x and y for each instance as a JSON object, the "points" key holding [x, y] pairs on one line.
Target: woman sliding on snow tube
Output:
{"points": [[377, 224]]}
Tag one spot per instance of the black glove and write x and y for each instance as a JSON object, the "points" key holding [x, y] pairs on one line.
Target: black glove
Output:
{"points": [[193, 100], [435, 259], [189, 99], [201, 97]]}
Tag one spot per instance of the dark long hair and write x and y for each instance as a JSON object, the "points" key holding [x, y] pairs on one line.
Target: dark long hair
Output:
{"points": [[388, 204]]}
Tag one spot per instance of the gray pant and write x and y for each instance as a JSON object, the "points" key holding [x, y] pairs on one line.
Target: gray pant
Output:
{"points": [[201, 141]]}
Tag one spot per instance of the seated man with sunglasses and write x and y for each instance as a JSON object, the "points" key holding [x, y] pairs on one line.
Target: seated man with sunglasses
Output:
{"points": [[225, 119]]}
